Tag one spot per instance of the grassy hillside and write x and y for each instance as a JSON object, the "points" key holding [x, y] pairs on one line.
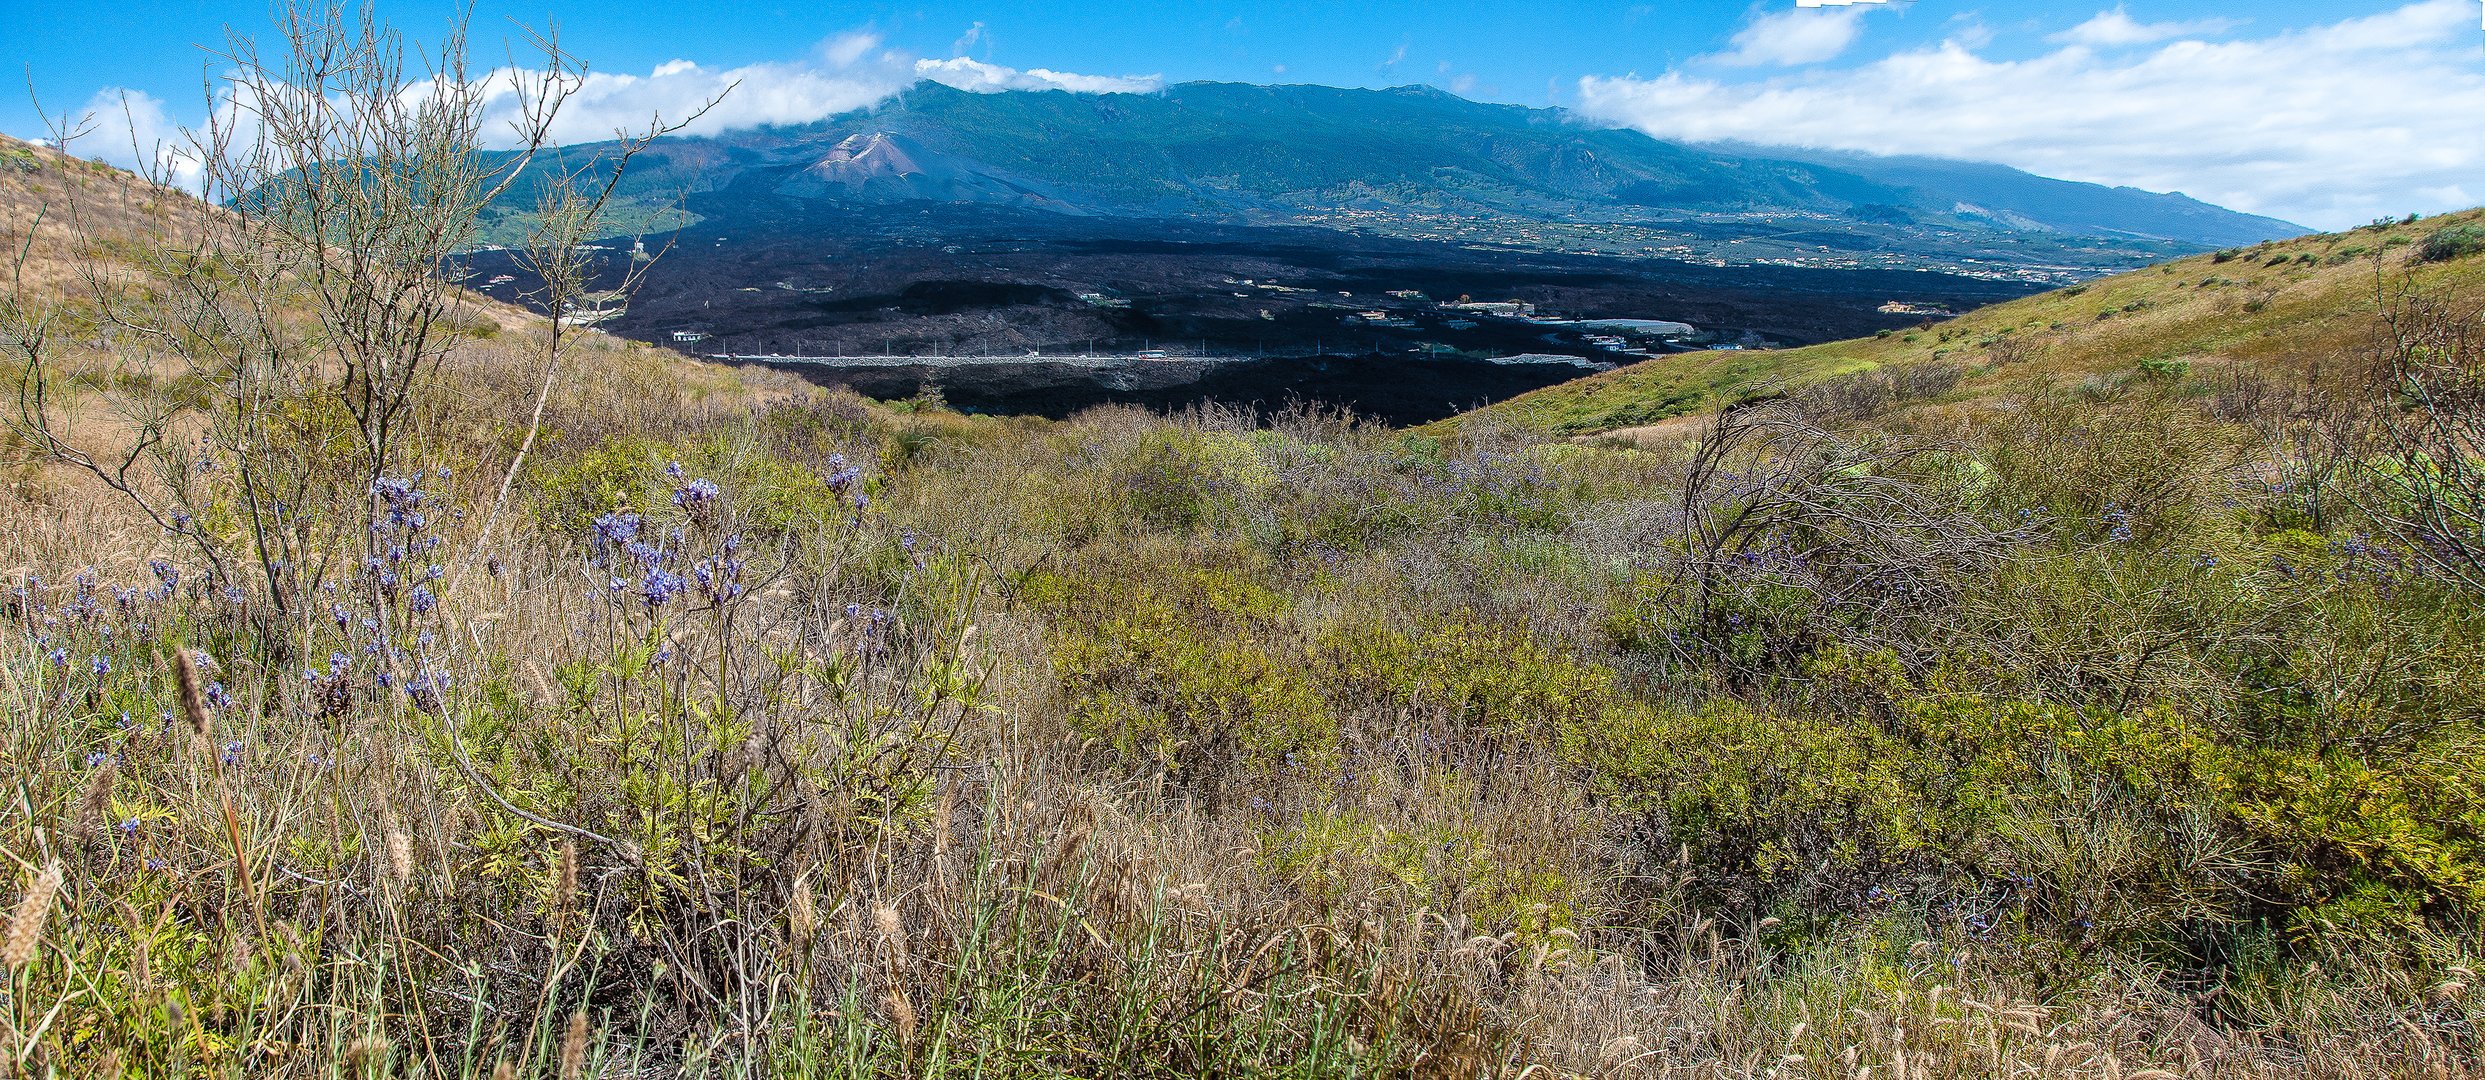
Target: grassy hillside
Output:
{"points": [[2280, 303], [2012, 724]]}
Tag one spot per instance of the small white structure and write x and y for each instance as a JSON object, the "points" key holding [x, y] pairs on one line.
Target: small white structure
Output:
{"points": [[1644, 327], [1507, 309]]}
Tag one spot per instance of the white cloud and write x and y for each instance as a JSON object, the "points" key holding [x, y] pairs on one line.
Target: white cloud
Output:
{"points": [[2112, 29], [131, 129], [852, 72], [967, 41], [1801, 36], [847, 49], [610, 103], [986, 78], [844, 73], [2329, 125]]}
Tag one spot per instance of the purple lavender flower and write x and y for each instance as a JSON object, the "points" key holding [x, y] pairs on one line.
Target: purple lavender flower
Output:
{"points": [[842, 475], [644, 554], [696, 495], [615, 528], [659, 587], [426, 689]]}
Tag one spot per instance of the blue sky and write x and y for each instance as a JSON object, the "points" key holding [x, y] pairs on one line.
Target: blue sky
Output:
{"points": [[2326, 112]]}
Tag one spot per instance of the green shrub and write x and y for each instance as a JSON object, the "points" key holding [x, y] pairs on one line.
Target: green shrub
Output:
{"points": [[620, 474], [2451, 242], [2165, 367]]}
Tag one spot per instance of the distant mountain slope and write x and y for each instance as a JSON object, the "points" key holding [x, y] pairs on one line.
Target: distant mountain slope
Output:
{"points": [[1422, 163], [2064, 205], [2301, 300]]}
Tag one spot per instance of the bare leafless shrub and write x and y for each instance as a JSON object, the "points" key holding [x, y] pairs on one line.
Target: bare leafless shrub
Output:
{"points": [[2312, 426], [1868, 395], [1786, 534], [2428, 474]]}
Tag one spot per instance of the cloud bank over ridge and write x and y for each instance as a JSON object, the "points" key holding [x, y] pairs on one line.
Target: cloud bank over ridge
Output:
{"points": [[2329, 125], [844, 73]]}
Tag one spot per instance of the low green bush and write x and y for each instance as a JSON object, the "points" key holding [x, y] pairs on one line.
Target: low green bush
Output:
{"points": [[2451, 242]]}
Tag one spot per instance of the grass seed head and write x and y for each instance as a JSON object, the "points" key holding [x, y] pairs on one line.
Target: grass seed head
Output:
{"points": [[368, 1052], [97, 800], [892, 933], [400, 855], [26, 924], [902, 1014], [186, 686], [802, 913], [565, 876], [574, 1047]]}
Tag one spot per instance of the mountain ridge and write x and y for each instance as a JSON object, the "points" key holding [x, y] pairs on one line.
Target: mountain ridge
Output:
{"points": [[1422, 162]]}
